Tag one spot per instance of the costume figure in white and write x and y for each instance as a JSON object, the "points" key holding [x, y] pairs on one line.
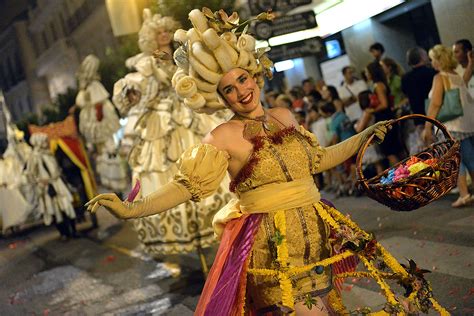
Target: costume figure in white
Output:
{"points": [[112, 168], [164, 129], [15, 193], [98, 120], [54, 198]]}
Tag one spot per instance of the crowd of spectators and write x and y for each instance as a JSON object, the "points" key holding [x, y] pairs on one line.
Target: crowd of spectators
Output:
{"points": [[386, 91]]}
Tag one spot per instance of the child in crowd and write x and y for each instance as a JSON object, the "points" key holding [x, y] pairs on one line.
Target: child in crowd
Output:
{"points": [[341, 129]]}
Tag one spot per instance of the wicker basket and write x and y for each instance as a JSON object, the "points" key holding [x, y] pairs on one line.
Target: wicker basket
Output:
{"points": [[422, 187]]}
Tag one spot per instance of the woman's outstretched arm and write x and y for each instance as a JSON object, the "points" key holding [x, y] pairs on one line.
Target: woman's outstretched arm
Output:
{"points": [[201, 170]]}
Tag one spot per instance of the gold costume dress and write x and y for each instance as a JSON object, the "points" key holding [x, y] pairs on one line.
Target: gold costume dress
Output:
{"points": [[302, 245], [283, 158], [280, 243]]}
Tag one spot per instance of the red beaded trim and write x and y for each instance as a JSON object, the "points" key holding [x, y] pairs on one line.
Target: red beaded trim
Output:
{"points": [[258, 142]]}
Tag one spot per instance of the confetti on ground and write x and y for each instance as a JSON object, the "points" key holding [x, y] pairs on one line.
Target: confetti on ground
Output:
{"points": [[109, 259]]}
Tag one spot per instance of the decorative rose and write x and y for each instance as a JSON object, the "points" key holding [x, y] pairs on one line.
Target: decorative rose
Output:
{"points": [[229, 37], [178, 75], [186, 87], [246, 42], [195, 102]]}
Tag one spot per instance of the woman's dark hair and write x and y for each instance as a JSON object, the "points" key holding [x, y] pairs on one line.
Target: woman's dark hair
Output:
{"points": [[376, 73], [328, 108], [333, 92], [395, 68], [364, 99]]}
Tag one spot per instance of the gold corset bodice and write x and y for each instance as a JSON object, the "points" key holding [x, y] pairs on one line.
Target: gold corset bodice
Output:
{"points": [[288, 155]]}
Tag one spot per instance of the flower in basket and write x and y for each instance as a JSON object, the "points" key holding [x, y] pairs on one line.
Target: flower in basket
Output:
{"points": [[411, 161], [401, 172], [417, 167], [389, 178]]}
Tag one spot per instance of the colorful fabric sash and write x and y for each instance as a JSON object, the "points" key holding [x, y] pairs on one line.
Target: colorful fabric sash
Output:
{"points": [[237, 224]]}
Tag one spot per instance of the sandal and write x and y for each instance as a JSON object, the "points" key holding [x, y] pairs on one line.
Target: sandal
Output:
{"points": [[462, 201]]}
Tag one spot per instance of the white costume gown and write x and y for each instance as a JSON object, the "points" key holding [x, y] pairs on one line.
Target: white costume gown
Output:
{"points": [[98, 120], [165, 129], [54, 198]]}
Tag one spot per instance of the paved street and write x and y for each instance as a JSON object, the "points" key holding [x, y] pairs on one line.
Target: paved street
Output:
{"points": [[106, 273]]}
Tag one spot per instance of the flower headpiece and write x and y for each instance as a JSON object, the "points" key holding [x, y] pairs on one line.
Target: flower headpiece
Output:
{"points": [[212, 47]]}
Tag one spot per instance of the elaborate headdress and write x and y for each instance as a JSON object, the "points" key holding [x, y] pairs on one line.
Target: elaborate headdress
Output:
{"points": [[151, 24], [212, 47]]}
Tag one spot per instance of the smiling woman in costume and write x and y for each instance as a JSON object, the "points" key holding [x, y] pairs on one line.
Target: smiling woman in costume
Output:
{"points": [[276, 254]]}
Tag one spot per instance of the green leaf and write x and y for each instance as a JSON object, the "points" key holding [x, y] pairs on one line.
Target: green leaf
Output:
{"points": [[310, 301], [278, 237]]}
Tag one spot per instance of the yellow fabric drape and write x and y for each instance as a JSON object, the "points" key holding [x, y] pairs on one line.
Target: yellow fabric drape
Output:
{"points": [[89, 182], [267, 198]]}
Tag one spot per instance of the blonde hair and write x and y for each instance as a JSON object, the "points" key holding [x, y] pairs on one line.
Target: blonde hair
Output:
{"points": [[151, 24], [444, 56]]}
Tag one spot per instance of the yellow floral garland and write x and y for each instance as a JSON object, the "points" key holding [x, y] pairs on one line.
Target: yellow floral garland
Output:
{"points": [[282, 258], [335, 301], [335, 219], [282, 248], [389, 295], [440, 309]]}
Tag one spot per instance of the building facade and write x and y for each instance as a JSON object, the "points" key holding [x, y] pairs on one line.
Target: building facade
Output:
{"points": [[42, 46]]}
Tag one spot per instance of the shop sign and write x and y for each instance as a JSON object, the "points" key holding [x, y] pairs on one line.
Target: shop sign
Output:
{"points": [[285, 24], [309, 47]]}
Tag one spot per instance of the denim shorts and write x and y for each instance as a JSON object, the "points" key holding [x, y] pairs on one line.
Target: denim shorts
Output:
{"points": [[467, 155]]}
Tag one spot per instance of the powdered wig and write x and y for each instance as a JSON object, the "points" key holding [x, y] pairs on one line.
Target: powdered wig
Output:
{"points": [[151, 23], [444, 56], [208, 50]]}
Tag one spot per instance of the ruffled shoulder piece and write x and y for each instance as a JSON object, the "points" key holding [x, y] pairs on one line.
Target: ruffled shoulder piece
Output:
{"points": [[309, 136], [201, 170], [313, 141]]}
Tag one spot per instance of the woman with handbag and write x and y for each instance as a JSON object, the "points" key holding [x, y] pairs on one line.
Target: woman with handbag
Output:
{"points": [[451, 103], [382, 101]]}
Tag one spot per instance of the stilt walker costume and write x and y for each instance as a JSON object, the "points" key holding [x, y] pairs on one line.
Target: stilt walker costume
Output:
{"points": [[98, 120], [282, 247], [165, 128]]}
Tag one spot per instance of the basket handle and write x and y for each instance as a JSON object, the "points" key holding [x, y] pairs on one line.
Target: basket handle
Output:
{"points": [[364, 147]]}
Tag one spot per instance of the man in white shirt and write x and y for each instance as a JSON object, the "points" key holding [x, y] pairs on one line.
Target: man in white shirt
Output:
{"points": [[463, 52], [348, 92]]}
